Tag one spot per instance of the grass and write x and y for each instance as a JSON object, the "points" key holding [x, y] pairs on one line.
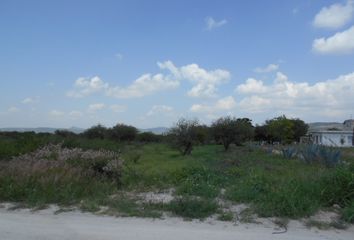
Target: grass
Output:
{"points": [[190, 208], [272, 184]]}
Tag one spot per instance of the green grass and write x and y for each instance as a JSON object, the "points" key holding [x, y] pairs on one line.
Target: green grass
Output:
{"points": [[273, 185], [192, 207]]}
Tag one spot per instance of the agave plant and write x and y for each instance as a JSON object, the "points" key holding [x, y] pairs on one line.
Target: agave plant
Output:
{"points": [[289, 152]]}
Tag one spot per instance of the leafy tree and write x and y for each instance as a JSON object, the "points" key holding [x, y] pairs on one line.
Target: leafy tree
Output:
{"points": [[184, 135], [300, 129], [285, 130], [64, 133], [98, 131], [148, 137], [260, 133], [122, 132], [227, 130]]}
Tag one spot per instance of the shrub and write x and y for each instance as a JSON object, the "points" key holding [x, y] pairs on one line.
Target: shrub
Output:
{"points": [[227, 130], [98, 131], [148, 137], [59, 175], [184, 135], [122, 132]]}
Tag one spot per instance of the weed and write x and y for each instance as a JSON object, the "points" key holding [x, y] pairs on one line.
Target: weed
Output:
{"points": [[188, 207], [226, 216]]}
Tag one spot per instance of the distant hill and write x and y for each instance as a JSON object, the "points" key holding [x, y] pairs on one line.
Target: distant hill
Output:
{"points": [[157, 130], [41, 129]]}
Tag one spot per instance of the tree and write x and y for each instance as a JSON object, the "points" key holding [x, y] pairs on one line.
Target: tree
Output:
{"points": [[285, 130], [227, 130], [300, 129], [148, 137], [184, 135], [98, 131], [122, 132], [260, 133]]}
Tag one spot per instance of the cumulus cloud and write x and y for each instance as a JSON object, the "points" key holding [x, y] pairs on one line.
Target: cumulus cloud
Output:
{"points": [[117, 108], [205, 82], [327, 98], [339, 43], [144, 85], [92, 108], [56, 113], [224, 104], [160, 109], [334, 16], [270, 68], [87, 86], [212, 24], [251, 86]]}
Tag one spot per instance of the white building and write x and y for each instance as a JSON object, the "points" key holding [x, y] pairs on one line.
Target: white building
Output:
{"points": [[332, 134], [333, 138]]}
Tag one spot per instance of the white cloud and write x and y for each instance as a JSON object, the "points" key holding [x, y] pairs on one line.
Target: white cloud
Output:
{"points": [[117, 108], [251, 86], [205, 82], [334, 16], [270, 68], [325, 98], [224, 104], [212, 24], [340, 43], [92, 108], [160, 109], [13, 109], [75, 114], [85, 87], [144, 85], [56, 113]]}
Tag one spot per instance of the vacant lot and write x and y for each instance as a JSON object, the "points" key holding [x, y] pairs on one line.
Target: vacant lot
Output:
{"points": [[153, 179]]}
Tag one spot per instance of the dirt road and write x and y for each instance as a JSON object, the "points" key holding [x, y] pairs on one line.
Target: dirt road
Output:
{"points": [[44, 224]]}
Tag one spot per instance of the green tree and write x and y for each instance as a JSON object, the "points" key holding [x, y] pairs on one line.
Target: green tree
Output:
{"points": [[184, 135], [122, 132], [285, 130], [97, 131], [228, 130]]}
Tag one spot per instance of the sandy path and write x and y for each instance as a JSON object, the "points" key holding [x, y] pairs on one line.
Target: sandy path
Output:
{"points": [[23, 224]]}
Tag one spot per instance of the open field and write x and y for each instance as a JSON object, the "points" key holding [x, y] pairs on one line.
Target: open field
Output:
{"points": [[153, 179]]}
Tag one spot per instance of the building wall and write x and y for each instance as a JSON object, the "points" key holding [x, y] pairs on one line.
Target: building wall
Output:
{"points": [[333, 139]]}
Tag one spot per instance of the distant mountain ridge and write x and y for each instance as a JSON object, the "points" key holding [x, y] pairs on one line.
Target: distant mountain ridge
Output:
{"points": [[77, 130], [41, 129]]}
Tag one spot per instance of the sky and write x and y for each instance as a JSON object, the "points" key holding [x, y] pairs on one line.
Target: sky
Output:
{"points": [[149, 63]]}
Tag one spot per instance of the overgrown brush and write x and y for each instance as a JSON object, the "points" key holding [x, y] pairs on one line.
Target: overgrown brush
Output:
{"points": [[327, 156], [59, 175]]}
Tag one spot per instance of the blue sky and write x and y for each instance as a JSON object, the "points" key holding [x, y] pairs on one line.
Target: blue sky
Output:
{"points": [[148, 63]]}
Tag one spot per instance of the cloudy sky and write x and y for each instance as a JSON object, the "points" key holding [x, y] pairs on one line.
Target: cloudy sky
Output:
{"points": [[148, 63]]}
